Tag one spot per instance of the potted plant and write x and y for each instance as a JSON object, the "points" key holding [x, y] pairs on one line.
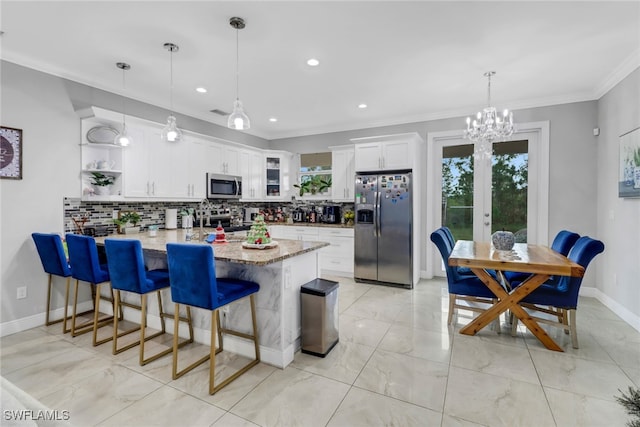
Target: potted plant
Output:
{"points": [[636, 169], [317, 184], [102, 183], [127, 222]]}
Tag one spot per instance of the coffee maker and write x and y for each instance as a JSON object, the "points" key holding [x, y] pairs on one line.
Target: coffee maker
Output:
{"points": [[331, 214]]}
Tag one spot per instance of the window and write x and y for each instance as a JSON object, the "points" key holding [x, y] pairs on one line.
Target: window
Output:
{"points": [[315, 173]]}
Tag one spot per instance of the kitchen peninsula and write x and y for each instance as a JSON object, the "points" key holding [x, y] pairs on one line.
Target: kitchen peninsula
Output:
{"points": [[280, 272]]}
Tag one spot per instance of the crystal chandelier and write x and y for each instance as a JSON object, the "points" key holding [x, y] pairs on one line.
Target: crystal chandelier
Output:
{"points": [[238, 119], [171, 132], [488, 125]]}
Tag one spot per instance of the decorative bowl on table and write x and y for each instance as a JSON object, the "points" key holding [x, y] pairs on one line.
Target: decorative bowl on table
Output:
{"points": [[503, 240]]}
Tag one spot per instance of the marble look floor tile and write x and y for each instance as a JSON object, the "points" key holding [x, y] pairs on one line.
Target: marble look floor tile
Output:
{"points": [[493, 358], [410, 379], [490, 335], [589, 347], [366, 409], [32, 351], [166, 406], [564, 372], [428, 345], [362, 330], [633, 374], [616, 330], [230, 420], [292, 397], [343, 363], [102, 395], [571, 409], [375, 308], [57, 372], [449, 421], [196, 383], [22, 338], [495, 401], [624, 353]]}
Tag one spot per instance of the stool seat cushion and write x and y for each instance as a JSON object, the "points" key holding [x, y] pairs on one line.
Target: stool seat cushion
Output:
{"points": [[232, 289]]}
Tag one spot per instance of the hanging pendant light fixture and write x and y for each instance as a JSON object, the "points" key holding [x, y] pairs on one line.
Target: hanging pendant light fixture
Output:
{"points": [[238, 119], [171, 132], [488, 125], [123, 139]]}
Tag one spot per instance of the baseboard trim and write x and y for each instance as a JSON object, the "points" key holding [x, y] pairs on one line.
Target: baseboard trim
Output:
{"points": [[624, 313], [30, 322]]}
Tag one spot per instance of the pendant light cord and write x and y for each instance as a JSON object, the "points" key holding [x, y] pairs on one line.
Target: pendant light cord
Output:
{"points": [[237, 66], [171, 80], [489, 91], [124, 119]]}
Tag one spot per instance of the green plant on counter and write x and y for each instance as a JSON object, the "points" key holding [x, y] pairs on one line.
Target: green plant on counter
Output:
{"points": [[102, 180], [316, 184], [125, 218], [636, 156]]}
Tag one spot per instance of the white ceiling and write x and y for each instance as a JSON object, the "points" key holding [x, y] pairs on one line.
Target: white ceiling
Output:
{"points": [[409, 61]]}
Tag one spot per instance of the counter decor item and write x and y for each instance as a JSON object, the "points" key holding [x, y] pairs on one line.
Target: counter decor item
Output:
{"points": [[102, 183], [503, 240], [127, 222], [349, 217], [258, 236], [171, 219]]}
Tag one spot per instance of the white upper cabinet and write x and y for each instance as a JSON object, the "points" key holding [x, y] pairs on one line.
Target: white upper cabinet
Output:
{"points": [[278, 175], [251, 170], [226, 159], [388, 152], [343, 173]]}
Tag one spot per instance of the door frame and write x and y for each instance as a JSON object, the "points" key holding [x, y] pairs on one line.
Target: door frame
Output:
{"points": [[537, 133]]}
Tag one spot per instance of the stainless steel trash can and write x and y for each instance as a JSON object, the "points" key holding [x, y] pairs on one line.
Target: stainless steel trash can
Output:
{"points": [[319, 310]]}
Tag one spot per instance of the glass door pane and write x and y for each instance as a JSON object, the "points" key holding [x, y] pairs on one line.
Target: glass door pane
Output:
{"points": [[457, 190], [509, 187]]}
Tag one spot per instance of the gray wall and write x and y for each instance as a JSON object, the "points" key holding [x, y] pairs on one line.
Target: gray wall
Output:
{"points": [[618, 219]]}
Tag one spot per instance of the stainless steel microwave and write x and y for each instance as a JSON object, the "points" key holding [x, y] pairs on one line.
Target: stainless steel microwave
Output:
{"points": [[223, 186]]}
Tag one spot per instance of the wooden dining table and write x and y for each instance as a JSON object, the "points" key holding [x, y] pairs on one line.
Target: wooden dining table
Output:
{"points": [[541, 261]]}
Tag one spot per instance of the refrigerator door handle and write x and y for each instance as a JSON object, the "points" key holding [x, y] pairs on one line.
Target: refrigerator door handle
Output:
{"points": [[377, 218]]}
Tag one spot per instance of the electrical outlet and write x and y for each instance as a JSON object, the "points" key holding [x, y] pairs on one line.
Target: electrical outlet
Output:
{"points": [[22, 292]]}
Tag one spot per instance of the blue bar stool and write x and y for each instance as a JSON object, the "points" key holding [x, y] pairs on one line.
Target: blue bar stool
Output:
{"points": [[86, 267], [193, 279], [127, 271], [54, 262]]}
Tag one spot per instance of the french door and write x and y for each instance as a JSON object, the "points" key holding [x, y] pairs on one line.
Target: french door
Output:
{"points": [[483, 187]]}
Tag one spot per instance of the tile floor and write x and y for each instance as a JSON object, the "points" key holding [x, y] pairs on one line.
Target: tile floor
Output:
{"points": [[397, 363]]}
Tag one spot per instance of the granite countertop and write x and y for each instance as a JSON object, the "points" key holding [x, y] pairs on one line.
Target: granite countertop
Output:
{"points": [[310, 224], [230, 252]]}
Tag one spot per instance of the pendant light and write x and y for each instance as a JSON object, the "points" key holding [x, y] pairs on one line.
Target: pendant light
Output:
{"points": [[123, 139], [238, 119], [171, 132]]}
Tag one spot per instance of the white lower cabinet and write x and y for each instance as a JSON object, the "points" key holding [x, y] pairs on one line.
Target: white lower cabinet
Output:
{"points": [[335, 259]]}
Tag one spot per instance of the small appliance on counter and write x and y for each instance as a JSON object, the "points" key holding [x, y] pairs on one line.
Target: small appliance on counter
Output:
{"points": [[331, 214], [171, 219], [250, 214]]}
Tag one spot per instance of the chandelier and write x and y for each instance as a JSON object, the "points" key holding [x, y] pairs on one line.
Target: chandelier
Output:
{"points": [[488, 125]]}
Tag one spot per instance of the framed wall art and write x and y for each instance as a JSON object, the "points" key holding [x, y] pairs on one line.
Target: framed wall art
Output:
{"points": [[629, 175], [10, 153]]}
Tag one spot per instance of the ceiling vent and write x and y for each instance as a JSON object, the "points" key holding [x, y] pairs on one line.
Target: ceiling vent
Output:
{"points": [[219, 112]]}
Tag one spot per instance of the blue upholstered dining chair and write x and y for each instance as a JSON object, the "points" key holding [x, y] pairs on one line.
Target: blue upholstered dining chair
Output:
{"points": [[561, 294], [86, 267], [54, 262], [192, 273], [461, 287], [127, 271], [465, 271], [562, 243]]}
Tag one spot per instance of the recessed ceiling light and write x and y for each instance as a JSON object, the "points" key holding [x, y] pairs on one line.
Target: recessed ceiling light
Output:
{"points": [[313, 62], [201, 89], [362, 106], [273, 119]]}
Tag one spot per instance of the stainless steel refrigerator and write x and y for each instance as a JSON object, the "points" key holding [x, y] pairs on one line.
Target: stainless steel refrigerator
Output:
{"points": [[383, 228]]}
